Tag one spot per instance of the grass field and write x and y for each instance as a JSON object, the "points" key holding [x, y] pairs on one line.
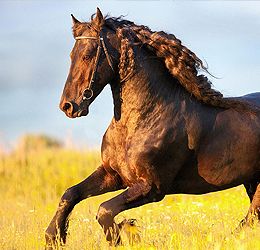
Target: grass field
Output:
{"points": [[32, 183]]}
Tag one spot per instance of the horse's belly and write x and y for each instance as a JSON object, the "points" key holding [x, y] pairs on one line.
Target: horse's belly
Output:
{"points": [[189, 181], [197, 186]]}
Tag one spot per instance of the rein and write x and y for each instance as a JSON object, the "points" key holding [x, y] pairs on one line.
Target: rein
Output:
{"points": [[88, 92]]}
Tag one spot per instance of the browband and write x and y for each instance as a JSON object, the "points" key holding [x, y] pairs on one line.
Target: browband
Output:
{"points": [[88, 37]]}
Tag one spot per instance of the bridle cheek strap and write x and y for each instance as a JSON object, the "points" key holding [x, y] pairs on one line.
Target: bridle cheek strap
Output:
{"points": [[88, 92], [106, 53]]}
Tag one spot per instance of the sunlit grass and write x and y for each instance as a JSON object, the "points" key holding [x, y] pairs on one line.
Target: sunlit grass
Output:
{"points": [[32, 183]]}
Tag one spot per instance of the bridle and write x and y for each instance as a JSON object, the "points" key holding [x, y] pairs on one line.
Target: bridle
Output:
{"points": [[88, 92]]}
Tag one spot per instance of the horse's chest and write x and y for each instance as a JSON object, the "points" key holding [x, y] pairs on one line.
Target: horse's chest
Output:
{"points": [[134, 154], [123, 143]]}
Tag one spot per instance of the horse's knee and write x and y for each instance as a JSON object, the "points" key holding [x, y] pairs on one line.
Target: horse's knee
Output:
{"points": [[70, 197], [104, 214]]}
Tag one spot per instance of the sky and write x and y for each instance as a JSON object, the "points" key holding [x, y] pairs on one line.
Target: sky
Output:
{"points": [[36, 39]]}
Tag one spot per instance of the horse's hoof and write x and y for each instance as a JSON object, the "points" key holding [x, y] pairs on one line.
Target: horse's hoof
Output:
{"points": [[50, 247], [51, 242], [246, 223], [125, 223], [130, 229], [116, 242], [53, 239]]}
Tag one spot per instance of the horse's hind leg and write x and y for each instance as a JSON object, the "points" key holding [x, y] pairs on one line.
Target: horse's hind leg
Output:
{"points": [[97, 183], [253, 191], [136, 195]]}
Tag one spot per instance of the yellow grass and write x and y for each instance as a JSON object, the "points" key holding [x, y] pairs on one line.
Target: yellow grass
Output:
{"points": [[31, 184]]}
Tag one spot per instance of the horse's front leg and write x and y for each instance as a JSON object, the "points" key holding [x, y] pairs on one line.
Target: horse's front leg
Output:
{"points": [[136, 195], [99, 182]]}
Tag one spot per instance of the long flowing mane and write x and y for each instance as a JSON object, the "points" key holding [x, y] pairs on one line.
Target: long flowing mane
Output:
{"points": [[181, 62]]}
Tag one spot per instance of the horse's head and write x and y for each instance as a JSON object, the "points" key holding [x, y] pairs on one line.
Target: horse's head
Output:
{"points": [[93, 60]]}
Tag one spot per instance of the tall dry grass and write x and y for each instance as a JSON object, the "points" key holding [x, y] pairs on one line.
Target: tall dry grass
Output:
{"points": [[32, 181]]}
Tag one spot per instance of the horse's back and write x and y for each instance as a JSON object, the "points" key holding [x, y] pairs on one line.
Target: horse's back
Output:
{"points": [[253, 98]]}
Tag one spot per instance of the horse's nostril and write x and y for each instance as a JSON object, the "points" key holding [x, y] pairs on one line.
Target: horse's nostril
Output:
{"points": [[67, 106]]}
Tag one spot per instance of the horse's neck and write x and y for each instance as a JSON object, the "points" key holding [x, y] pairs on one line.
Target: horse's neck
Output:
{"points": [[152, 97], [151, 88]]}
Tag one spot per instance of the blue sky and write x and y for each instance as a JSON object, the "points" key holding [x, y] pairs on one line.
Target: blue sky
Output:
{"points": [[35, 42]]}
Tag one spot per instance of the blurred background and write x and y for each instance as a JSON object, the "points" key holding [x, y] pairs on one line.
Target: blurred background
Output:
{"points": [[36, 39]]}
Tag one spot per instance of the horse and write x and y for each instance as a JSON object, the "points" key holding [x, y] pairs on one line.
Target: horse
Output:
{"points": [[171, 132]]}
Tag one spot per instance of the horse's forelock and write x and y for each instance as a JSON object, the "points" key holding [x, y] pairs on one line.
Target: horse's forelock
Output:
{"points": [[95, 24]]}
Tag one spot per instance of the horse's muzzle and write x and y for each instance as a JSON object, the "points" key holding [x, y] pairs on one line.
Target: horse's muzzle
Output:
{"points": [[72, 110]]}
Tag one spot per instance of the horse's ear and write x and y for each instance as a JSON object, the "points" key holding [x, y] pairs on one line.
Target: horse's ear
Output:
{"points": [[75, 20], [99, 19]]}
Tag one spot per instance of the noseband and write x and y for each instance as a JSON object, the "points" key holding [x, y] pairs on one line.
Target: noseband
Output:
{"points": [[88, 92]]}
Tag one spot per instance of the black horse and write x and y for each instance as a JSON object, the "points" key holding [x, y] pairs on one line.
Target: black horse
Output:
{"points": [[171, 131]]}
